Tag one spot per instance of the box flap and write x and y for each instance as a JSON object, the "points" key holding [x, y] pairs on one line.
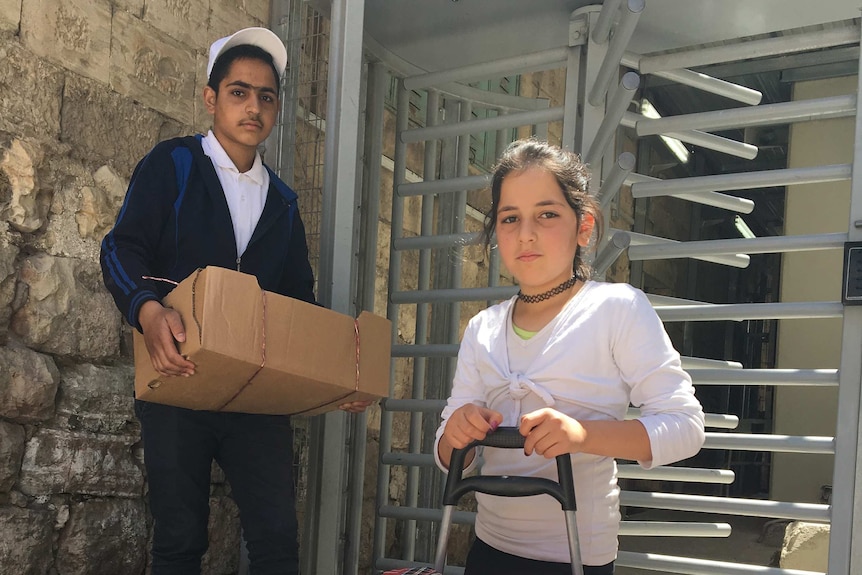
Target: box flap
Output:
{"points": [[231, 314], [375, 339]]}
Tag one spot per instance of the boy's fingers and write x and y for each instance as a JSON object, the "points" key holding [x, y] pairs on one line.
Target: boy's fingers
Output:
{"points": [[175, 323]]}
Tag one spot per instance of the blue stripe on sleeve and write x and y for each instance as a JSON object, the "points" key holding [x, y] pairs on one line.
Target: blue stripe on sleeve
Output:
{"points": [[182, 157], [118, 275]]}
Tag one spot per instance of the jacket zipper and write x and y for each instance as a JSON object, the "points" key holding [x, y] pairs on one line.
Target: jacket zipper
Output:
{"points": [[238, 260]]}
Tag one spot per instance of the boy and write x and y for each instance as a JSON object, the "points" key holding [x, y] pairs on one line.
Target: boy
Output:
{"points": [[199, 201]]}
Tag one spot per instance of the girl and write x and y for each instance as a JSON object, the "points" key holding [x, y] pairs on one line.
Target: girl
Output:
{"points": [[562, 360]]}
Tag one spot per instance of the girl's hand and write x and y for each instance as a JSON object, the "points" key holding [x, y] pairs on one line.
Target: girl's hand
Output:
{"points": [[470, 422], [551, 433]]}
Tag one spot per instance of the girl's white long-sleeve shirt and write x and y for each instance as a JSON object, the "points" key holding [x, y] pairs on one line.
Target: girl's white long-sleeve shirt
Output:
{"points": [[606, 349]]}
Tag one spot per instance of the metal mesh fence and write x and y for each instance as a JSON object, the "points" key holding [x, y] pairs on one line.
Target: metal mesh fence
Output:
{"points": [[300, 134]]}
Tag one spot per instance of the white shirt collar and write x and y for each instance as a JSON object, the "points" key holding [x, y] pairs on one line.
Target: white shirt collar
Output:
{"points": [[213, 148]]}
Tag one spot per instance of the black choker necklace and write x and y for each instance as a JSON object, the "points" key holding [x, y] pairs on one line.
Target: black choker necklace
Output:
{"points": [[548, 294]]}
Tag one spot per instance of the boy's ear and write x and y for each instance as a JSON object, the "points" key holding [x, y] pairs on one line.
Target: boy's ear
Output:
{"points": [[210, 99]]}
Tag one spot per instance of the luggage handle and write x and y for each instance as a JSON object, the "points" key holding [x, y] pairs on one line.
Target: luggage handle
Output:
{"points": [[508, 486]]}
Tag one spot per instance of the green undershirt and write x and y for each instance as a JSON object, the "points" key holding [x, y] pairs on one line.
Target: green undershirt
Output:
{"points": [[523, 333]]}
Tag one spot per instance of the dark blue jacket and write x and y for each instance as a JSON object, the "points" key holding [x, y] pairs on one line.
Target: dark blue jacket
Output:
{"points": [[175, 219]]}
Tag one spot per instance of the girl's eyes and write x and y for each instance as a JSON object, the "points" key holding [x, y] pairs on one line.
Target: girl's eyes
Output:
{"points": [[543, 215]]}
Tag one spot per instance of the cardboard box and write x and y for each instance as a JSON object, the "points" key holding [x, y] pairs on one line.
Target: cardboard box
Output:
{"points": [[260, 352]]}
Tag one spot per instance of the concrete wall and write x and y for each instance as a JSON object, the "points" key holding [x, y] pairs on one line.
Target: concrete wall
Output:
{"points": [[87, 87], [811, 276]]}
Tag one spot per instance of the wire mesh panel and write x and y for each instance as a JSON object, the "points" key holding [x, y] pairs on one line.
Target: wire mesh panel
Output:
{"points": [[301, 134]]}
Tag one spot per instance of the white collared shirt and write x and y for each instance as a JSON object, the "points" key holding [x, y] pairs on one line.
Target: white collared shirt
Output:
{"points": [[245, 192]]}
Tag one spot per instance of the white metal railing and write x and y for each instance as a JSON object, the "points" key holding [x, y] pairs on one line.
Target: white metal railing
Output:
{"points": [[698, 138], [692, 128], [763, 115], [743, 181], [792, 43]]}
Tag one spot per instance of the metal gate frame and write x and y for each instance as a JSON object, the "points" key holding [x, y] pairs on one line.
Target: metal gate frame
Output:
{"points": [[592, 56]]}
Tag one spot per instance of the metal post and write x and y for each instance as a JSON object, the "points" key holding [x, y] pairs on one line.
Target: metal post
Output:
{"points": [[613, 114], [570, 104], [845, 555], [590, 121], [610, 10], [611, 186], [337, 267], [396, 228], [421, 337], [370, 214], [609, 70]]}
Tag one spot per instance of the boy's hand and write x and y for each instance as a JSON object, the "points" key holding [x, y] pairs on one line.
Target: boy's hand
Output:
{"points": [[551, 433], [163, 328], [470, 422], [355, 406]]}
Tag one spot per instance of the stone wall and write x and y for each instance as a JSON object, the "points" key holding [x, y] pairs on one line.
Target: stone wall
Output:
{"points": [[87, 87]]}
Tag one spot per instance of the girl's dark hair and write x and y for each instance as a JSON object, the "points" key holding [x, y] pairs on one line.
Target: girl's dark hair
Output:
{"points": [[241, 52], [571, 174]]}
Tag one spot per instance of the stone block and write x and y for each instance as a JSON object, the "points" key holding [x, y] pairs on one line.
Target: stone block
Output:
{"points": [[258, 9], [183, 20], [11, 452], [10, 15], [97, 399], [83, 208], [8, 275], [228, 17], [57, 461], [103, 537], [74, 33], [28, 200], [152, 68], [65, 309], [28, 385], [203, 120], [25, 540], [32, 91], [222, 557], [133, 7], [102, 127], [805, 547]]}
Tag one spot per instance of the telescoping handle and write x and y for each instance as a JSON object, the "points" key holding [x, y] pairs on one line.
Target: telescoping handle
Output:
{"points": [[508, 486]]}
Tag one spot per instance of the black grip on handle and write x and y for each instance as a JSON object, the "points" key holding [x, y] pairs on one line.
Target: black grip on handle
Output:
{"points": [[503, 437], [506, 486]]}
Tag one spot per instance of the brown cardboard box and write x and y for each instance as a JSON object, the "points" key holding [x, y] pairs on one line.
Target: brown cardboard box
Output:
{"points": [[260, 352]]}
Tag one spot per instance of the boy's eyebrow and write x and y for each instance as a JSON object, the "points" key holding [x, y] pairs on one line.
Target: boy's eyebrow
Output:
{"points": [[248, 86]]}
